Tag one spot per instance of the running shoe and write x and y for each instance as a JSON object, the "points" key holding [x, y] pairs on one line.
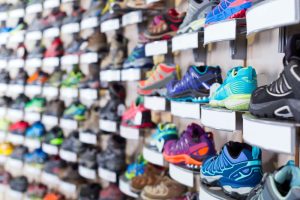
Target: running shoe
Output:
{"points": [[20, 102], [6, 148], [89, 191], [73, 144], [159, 77], [191, 149], [19, 184], [4, 124], [138, 58], [38, 78], [111, 192], [4, 176], [37, 157], [55, 78], [281, 98], [55, 136], [19, 153], [56, 49], [235, 92], [55, 166], [283, 184], [88, 158], [36, 130], [228, 9], [36, 191], [73, 79], [92, 79], [237, 169], [53, 196], [76, 14], [38, 51], [19, 127], [195, 84], [54, 19], [164, 132], [37, 104], [55, 108], [137, 168], [5, 101], [75, 111]]}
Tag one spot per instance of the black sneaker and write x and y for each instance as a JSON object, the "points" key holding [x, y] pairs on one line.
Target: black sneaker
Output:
{"points": [[89, 191], [55, 166], [38, 51], [4, 76], [5, 101], [282, 97], [19, 184], [20, 102], [73, 144], [88, 158], [19, 153]]}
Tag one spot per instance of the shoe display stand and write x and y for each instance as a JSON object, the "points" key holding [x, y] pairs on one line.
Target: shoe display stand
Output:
{"points": [[186, 41], [184, 176], [154, 156], [110, 75], [69, 60], [108, 175], [212, 193], [132, 133], [157, 103], [108, 126], [87, 173], [14, 166], [124, 186], [186, 109], [68, 156], [68, 189]]}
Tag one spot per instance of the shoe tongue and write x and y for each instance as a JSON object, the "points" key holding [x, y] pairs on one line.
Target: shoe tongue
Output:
{"points": [[289, 173]]}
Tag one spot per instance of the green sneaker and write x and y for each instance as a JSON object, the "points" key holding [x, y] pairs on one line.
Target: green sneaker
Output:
{"points": [[235, 92], [37, 104], [75, 111], [55, 78], [137, 168], [73, 78]]}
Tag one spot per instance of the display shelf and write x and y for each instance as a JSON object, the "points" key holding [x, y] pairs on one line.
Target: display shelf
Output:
{"points": [[88, 94], [13, 164], [51, 62], [34, 8], [33, 36], [186, 109], [153, 156], [50, 180], [124, 186], [32, 116], [51, 4], [2, 136], [68, 189], [110, 75], [183, 176], [70, 28], [277, 136], [3, 87], [107, 125], [212, 193], [14, 114], [3, 111], [50, 120], [51, 32], [32, 143], [110, 25], [16, 38], [91, 22], [107, 175], [3, 159], [33, 90], [222, 31], [3, 16], [15, 89], [32, 171], [68, 93], [214, 118], [70, 59], [15, 138], [16, 13], [133, 17], [90, 57], [88, 138], [68, 156], [185, 41], [87, 173], [156, 103], [33, 63], [69, 124], [284, 13], [50, 149], [131, 74], [14, 194], [3, 62], [130, 133], [16, 63], [156, 48], [49, 91], [3, 38]]}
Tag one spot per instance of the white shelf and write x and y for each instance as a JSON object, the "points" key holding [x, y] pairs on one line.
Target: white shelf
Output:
{"points": [[107, 175], [33, 90], [15, 139], [3, 16], [185, 41], [107, 125], [16, 63], [51, 62], [51, 32], [17, 13], [110, 25], [68, 189], [156, 103], [124, 186], [110, 75], [3, 87], [87, 173], [34, 8], [31, 171], [91, 22], [33, 36], [88, 138], [51, 4], [3, 38], [186, 109], [214, 118], [49, 91], [133, 17], [70, 60], [32, 116], [33, 63], [14, 114], [32, 143], [50, 149], [88, 58], [3, 64], [156, 48], [17, 37], [70, 28], [132, 74], [283, 13], [212, 193], [49, 179], [183, 176], [88, 94], [268, 134], [50, 120], [68, 93], [69, 124], [153, 156], [130, 133], [68, 156]]}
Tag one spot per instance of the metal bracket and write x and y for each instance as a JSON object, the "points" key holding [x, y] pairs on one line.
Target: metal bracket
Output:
{"points": [[169, 57], [239, 47], [200, 54]]}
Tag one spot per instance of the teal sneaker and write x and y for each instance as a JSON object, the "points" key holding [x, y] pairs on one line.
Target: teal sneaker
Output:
{"points": [[235, 92], [163, 133]]}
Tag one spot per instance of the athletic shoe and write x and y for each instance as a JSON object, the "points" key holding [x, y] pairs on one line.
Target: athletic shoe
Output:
{"points": [[55, 78], [37, 157], [36, 130], [75, 111], [5, 52], [137, 168], [55, 136], [6, 148], [282, 97], [55, 166], [91, 124], [53, 196], [73, 79], [74, 46], [21, 26], [38, 78], [283, 184], [76, 14], [71, 174], [235, 92], [20, 102], [73, 144], [54, 19], [36, 191], [111, 192], [55, 108], [4, 176], [138, 59], [195, 84], [89, 191], [5, 101], [237, 169], [88, 158], [228, 9], [191, 149], [164, 132], [97, 42], [18, 128], [94, 9], [4, 124], [21, 77], [37, 104], [19, 184], [137, 116], [4, 76], [38, 51], [19, 153], [56, 49], [92, 79], [159, 77]]}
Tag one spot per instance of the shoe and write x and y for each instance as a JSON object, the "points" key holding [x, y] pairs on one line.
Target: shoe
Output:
{"points": [[55, 108], [19, 53], [191, 149], [138, 58], [91, 124], [4, 76], [159, 77], [54, 19], [36, 191], [55, 166], [55, 136], [166, 189], [4, 125], [281, 99], [108, 12], [38, 51], [236, 90], [56, 49], [237, 169], [195, 84], [5, 177], [20, 79], [6, 148], [5, 101], [37, 104], [55, 78], [19, 128], [5, 53], [38, 78], [21, 26], [19, 184], [137, 116], [36, 24], [19, 153], [71, 175], [97, 42], [37, 157], [75, 111], [76, 14], [92, 79], [282, 184], [165, 26], [88, 158], [53, 196], [164, 132], [117, 53], [89, 191], [20, 102], [143, 5], [73, 144], [188, 196], [75, 46], [73, 79], [94, 9], [36, 130], [228, 9], [137, 168], [111, 192]]}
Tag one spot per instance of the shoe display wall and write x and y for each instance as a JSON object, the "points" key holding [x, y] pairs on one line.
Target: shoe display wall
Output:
{"points": [[152, 100]]}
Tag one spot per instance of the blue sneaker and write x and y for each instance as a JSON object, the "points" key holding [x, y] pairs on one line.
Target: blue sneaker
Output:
{"points": [[237, 169], [235, 92], [163, 133], [37, 157], [36, 130], [228, 9], [138, 58], [137, 168]]}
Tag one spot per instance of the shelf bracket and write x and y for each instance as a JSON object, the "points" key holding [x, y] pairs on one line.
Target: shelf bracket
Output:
{"points": [[239, 47], [200, 54]]}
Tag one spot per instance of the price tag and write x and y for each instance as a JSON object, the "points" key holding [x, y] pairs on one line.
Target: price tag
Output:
{"points": [[129, 133], [132, 18], [110, 75], [50, 120], [3, 87], [68, 155], [3, 37], [13, 194], [17, 13], [50, 149], [15, 139], [68, 188], [51, 4], [70, 28], [125, 188], [51, 32], [109, 126], [89, 94], [156, 48], [15, 114], [34, 8], [3, 63], [33, 63], [69, 124], [16, 63], [49, 179], [185, 41], [32, 116], [51, 62], [2, 136], [14, 164], [32, 143], [33, 90], [68, 93], [88, 138], [17, 38], [110, 25], [155, 103], [34, 171], [50, 91], [88, 58], [107, 175], [3, 16], [69, 60], [89, 23], [87, 173], [15, 89], [131, 74]]}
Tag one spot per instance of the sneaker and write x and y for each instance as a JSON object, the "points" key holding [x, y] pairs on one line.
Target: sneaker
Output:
{"points": [[195, 84], [143, 5], [5, 101], [138, 58], [36, 130], [19, 153], [19, 127], [56, 49], [88, 158], [94, 9], [20, 102], [73, 79], [89, 191], [137, 168], [282, 184], [74, 46], [5, 177], [73, 144], [5, 53], [37, 104], [55, 136], [75, 111], [53, 196], [4, 76], [21, 78], [6, 148], [38, 78], [55, 166], [237, 169], [159, 77], [76, 14], [19, 184], [97, 42], [4, 125], [38, 157], [71, 174], [236, 90], [228, 9], [21, 26], [91, 124], [38, 51], [92, 79], [36, 191], [191, 149], [111, 192], [281, 98], [55, 78], [55, 108], [54, 19], [164, 132]]}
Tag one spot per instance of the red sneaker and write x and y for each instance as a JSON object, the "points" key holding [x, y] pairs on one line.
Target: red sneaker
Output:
{"points": [[19, 127], [56, 49]]}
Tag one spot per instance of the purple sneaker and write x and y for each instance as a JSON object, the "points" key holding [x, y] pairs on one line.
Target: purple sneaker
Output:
{"points": [[195, 84], [193, 146]]}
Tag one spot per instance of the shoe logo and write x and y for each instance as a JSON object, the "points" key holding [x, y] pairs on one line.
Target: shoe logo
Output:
{"points": [[283, 111], [293, 71]]}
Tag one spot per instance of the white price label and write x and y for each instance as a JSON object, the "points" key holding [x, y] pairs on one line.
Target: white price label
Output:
{"points": [[33, 63], [88, 58], [51, 4], [109, 126], [15, 139], [156, 48], [185, 41], [50, 120], [16, 63], [13, 194], [68, 155], [34, 171], [89, 94], [110, 25], [3, 63], [17, 13], [132, 18], [49, 179], [15, 114], [50, 149], [68, 188], [32, 116], [50, 91], [88, 138], [89, 23], [51, 62], [3, 16], [129, 133], [2, 136], [51, 32], [69, 124], [69, 60], [34, 8], [70, 28], [33, 90], [131, 74], [3, 87], [16, 38], [14, 163], [87, 173], [107, 175], [68, 93], [32, 143]]}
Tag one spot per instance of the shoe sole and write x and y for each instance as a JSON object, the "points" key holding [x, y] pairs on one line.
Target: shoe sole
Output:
{"points": [[272, 109], [238, 102], [161, 36], [159, 84], [191, 96], [182, 158]]}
